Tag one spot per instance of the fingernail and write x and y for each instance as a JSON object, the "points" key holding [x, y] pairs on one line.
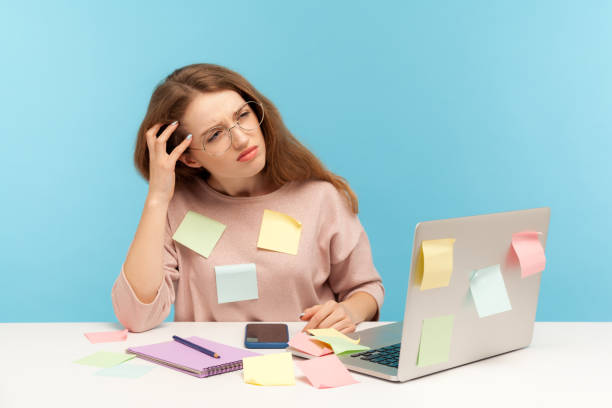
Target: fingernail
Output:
{"points": [[301, 315], [188, 136], [174, 123]]}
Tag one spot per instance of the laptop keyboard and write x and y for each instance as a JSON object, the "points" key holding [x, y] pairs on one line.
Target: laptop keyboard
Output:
{"points": [[388, 356]]}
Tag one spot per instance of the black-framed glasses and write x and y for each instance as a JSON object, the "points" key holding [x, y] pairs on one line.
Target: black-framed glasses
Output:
{"points": [[218, 140]]}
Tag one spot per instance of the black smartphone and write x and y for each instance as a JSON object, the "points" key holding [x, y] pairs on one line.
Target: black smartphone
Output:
{"points": [[266, 335]]}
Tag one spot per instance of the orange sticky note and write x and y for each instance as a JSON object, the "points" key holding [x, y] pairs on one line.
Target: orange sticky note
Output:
{"points": [[106, 337], [529, 252], [305, 344], [326, 372]]}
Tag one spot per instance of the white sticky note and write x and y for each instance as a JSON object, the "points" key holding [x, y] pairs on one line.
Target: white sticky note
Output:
{"points": [[236, 282]]}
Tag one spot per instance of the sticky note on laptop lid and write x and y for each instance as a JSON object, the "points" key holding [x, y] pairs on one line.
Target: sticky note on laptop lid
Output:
{"points": [[436, 334], [489, 291], [199, 233], [435, 264], [529, 251]]}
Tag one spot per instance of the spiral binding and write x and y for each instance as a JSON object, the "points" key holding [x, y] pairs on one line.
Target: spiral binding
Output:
{"points": [[224, 368]]}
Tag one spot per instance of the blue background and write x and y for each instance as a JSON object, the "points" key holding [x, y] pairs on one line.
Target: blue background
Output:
{"points": [[431, 110]]}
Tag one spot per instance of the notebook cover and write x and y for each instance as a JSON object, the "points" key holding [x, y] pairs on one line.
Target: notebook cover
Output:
{"points": [[185, 359]]}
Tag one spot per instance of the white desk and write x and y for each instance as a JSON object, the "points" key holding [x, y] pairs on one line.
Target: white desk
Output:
{"points": [[567, 364]]}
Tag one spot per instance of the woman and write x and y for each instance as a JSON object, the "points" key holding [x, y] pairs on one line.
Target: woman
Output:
{"points": [[228, 156]]}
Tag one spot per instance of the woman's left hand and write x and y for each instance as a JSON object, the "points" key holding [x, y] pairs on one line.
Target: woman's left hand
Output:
{"points": [[330, 314]]}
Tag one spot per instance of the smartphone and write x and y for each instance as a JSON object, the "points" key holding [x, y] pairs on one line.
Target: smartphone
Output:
{"points": [[266, 335]]}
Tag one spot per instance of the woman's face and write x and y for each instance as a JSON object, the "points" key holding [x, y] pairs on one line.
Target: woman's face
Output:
{"points": [[214, 109]]}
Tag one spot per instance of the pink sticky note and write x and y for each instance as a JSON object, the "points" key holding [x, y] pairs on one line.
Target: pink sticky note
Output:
{"points": [[326, 372], [106, 337], [303, 343], [529, 251]]}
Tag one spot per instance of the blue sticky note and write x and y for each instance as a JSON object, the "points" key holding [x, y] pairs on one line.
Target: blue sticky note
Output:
{"points": [[236, 282], [125, 371], [489, 291]]}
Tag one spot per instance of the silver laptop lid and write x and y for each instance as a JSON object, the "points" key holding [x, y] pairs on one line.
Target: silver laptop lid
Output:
{"points": [[481, 241]]}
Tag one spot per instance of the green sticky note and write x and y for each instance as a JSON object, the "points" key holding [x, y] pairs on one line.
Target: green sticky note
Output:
{"points": [[435, 340], [489, 291], [199, 233], [105, 359], [125, 371], [340, 345], [236, 282]]}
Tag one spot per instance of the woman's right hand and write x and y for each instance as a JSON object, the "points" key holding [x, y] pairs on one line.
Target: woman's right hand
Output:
{"points": [[162, 164]]}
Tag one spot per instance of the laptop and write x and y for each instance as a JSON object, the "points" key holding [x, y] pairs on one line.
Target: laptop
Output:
{"points": [[480, 241]]}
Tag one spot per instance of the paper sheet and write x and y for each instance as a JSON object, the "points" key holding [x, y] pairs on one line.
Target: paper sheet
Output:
{"points": [[529, 252], [106, 337], [304, 343], [326, 372], [489, 291], [199, 233], [105, 359], [279, 232], [435, 265], [435, 343], [236, 282], [269, 369], [125, 371]]}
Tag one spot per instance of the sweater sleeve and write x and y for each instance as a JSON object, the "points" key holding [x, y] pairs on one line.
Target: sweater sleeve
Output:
{"points": [[137, 316], [352, 268]]}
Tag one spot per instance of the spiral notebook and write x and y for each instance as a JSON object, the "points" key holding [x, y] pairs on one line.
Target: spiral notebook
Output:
{"points": [[175, 355]]}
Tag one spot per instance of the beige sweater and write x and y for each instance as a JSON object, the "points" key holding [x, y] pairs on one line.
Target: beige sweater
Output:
{"points": [[334, 258]]}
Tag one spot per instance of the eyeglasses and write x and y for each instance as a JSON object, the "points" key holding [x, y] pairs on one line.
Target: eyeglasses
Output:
{"points": [[218, 140]]}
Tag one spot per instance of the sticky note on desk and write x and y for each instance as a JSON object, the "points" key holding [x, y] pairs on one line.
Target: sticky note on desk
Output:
{"points": [[106, 337], [269, 369], [105, 359], [326, 372], [529, 252], [331, 332], [199, 233], [236, 282], [304, 343], [435, 343], [279, 232], [489, 291], [435, 265], [340, 345]]}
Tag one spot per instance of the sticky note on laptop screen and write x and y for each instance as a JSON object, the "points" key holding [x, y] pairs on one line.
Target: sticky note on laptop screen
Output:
{"points": [[436, 334], [236, 282], [435, 264], [529, 252], [279, 232], [199, 233], [489, 291]]}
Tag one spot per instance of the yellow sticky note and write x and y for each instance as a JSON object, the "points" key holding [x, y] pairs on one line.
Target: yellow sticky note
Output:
{"points": [[269, 369], [435, 265], [279, 232], [199, 233], [340, 345], [329, 332]]}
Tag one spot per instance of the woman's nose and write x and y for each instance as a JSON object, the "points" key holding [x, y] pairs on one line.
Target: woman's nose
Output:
{"points": [[239, 138]]}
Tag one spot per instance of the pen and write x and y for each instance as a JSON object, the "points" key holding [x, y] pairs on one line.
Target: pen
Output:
{"points": [[196, 347]]}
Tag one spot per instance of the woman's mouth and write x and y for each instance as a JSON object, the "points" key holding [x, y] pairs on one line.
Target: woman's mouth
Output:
{"points": [[248, 154]]}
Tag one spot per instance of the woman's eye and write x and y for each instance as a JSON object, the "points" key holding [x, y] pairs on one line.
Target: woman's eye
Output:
{"points": [[244, 114], [213, 137]]}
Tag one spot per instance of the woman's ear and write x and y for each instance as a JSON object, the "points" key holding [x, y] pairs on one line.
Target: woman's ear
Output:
{"points": [[187, 159]]}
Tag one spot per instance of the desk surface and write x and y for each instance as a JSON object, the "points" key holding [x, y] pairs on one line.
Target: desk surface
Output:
{"points": [[567, 364]]}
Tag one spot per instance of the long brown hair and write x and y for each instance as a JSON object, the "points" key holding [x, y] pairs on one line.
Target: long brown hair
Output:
{"points": [[286, 158]]}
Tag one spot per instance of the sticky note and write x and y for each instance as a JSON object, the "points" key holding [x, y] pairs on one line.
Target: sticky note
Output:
{"points": [[279, 232], [340, 345], [269, 369], [304, 343], [105, 359], [330, 332], [199, 233], [529, 252], [435, 265], [326, 372], [435, 340], [105, 337], [125, 371], [489, 291], [236, 282]]}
